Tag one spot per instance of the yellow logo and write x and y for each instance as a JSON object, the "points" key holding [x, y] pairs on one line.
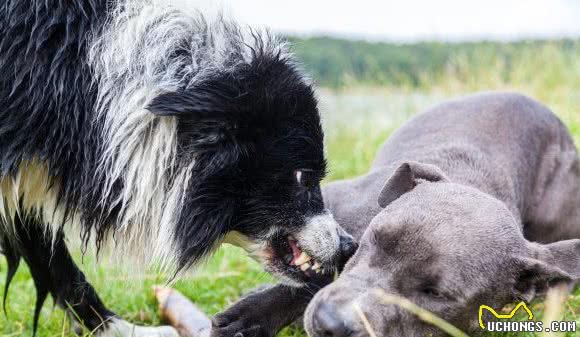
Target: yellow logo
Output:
{"points": [[503, 316]]}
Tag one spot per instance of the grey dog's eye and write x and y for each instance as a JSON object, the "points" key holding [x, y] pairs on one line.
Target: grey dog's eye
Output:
{"points": [[305, 178], [432, 292]]}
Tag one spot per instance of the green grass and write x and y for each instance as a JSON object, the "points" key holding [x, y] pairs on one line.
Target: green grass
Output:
{"points": [[356, 123]]}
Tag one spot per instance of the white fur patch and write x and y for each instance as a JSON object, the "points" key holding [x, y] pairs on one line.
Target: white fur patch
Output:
{"points": [[320, 238], [120, 328], [33, 186], [256, 250], [134, 60]]}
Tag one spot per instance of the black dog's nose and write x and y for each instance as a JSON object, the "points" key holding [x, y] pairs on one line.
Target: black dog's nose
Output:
{"points": [[328, 323], [347, 246], [347, 249]]}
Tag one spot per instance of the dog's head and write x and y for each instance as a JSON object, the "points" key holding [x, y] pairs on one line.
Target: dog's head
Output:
{"points": [[446, 247], [253, 139]]}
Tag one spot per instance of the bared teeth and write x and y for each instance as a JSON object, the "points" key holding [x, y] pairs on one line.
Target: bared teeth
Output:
{"points": [[303, 261], [316, 266], [303, 258]]}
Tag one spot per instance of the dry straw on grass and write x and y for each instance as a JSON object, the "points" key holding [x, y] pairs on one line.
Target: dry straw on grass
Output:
{"points": [[554, 308], [423, 314]]}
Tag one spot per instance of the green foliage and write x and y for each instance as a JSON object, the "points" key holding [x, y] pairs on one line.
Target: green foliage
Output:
{"points": [[344, 63]]}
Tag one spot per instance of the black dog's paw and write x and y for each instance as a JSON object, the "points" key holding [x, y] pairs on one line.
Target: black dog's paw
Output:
{"points": [[238, 329], [247, 318], [231, 323]]}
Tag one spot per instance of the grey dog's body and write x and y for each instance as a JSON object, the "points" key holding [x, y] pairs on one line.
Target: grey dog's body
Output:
{"points": [[475, 188], [503, 144], [457, 211]]}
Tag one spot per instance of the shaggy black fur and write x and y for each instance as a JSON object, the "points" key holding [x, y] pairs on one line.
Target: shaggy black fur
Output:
{"points": [[47, 96], [248, 128], [249, 131]]}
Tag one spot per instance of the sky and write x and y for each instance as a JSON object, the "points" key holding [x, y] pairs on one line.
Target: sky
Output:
{"points": [[412, 20]]}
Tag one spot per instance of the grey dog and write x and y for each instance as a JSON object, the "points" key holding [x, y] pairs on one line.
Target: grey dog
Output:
{"points": [[475, 201], [478, 203]]}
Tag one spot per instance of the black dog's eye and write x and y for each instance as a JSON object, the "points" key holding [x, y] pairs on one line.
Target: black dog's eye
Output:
{"points": [[305, 178]]}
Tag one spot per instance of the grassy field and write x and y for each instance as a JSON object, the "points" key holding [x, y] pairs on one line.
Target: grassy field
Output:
{"points": [[356, 120]]}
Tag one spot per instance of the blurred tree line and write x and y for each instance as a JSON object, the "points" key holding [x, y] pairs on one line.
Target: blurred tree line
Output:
{"points": [[335, 62]]}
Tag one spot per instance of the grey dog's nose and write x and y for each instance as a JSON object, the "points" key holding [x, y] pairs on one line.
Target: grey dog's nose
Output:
{"points": [[329, 323]]}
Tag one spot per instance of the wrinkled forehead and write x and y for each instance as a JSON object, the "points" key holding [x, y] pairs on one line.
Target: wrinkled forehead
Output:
{"points": [[447, 220]]}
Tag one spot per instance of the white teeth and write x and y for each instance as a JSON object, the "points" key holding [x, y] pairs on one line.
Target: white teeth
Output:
{"points": [[290, 237], [316, 265], [303, 258], [305, 266]]}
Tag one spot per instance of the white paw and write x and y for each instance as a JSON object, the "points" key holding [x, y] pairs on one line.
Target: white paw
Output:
{"points": [[119, 328]]}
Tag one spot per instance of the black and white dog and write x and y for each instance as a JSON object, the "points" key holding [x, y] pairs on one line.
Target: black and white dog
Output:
{"points": [[159, 130]]}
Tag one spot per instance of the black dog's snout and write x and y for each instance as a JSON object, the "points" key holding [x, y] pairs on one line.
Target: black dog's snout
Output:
{"points": [[347, 249], [328, 323]]}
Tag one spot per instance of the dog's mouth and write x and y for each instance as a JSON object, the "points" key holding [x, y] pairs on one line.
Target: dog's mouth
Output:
{"points": [[283, 255], [291, 260]]}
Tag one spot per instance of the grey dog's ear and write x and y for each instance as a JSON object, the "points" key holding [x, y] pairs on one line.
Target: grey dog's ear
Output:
{"points": [[550, 265], [406, 178], [535, 277]]}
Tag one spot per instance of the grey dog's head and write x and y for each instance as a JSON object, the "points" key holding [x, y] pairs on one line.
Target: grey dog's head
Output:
{"points": [[448, 248]]}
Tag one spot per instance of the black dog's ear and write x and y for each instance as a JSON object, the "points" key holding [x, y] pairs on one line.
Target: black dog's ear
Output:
{"points": [[194, 104], [406, 178], [207, 115], [208, 100]]}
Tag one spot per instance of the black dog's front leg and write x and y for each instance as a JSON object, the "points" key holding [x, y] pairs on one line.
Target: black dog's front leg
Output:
{"points": [[263, 313]]}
